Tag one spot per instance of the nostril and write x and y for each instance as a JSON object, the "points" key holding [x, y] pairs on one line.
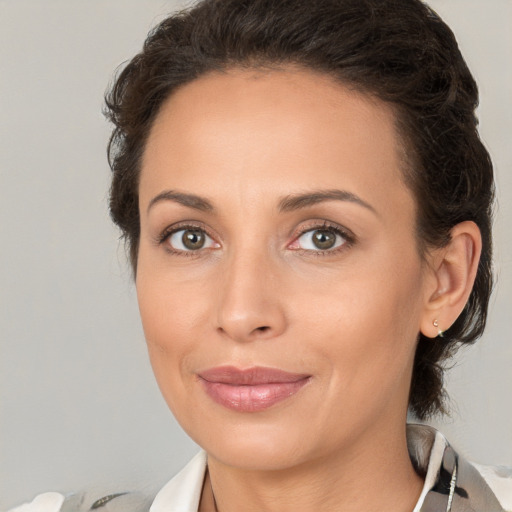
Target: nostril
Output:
{"points": [[263, 328]]}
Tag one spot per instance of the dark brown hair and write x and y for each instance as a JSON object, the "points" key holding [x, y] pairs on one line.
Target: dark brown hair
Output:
{"points": [[399, 51]]}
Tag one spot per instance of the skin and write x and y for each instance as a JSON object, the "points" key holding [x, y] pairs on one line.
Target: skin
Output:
{"points": [[260, 293]]}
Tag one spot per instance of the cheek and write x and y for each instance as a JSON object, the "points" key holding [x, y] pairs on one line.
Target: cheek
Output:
{"points": [[170, 303], [367, 329], [172, 317]]}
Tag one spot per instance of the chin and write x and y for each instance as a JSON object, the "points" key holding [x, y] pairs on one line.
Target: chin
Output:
{"points": [[254, 445], [259, 455]]}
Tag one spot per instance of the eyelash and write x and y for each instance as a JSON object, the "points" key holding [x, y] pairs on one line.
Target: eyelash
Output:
{"points": [[348, 237], [168, 232]]}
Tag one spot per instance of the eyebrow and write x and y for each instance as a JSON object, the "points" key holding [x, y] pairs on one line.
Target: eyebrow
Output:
{"points": [[189, 200], [299, 201], [288, 203]]}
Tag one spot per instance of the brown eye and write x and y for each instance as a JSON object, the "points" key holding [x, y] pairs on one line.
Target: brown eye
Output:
{"points": [[193, 239], [321, 239], [190, 239], [324, 239]]}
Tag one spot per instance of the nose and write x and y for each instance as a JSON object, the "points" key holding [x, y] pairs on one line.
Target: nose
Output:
{"points": [[249, 305]]}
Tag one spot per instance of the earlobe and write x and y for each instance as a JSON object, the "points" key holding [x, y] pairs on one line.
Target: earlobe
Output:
{"points": [[454, 271]]}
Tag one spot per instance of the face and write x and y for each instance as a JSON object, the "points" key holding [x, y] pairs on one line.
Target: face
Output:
{"points": [[279, 281]]}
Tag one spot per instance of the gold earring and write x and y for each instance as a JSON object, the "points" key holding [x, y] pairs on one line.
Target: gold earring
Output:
{"points": [[439, 331]]}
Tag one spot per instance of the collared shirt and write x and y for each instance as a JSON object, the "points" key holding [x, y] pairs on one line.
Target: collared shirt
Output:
{"points": [[452, 484]]}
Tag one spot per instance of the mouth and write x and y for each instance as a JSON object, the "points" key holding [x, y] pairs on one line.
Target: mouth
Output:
{"points": [[250, 390]]}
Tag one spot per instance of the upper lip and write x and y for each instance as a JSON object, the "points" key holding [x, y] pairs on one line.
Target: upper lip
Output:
{"points": [[250, 376]]}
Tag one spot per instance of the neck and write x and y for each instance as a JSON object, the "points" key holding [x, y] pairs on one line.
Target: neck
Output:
{"points": [[376, 475]]}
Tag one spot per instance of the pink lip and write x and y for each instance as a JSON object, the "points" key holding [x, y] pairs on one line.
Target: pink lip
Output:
{"points": [[250, 390]]}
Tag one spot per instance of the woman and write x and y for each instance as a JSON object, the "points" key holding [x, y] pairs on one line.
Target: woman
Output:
{"points": [[307, 206]]}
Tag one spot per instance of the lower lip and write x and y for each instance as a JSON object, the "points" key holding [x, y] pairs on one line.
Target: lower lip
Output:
{"points": [[252, 398]]}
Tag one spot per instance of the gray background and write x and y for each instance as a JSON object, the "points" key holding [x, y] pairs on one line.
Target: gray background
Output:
{"points": [[79, 407]]}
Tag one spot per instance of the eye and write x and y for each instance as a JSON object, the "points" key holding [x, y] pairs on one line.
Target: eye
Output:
{"points": [[320, 239], [189, 239]]}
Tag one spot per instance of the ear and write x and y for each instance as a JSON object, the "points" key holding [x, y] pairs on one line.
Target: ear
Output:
{"points": [[453, 272]]}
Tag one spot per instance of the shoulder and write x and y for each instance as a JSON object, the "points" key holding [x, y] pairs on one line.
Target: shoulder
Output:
{"points": [[451, 481], [85, 502], [182, 493], [499, 479], [47, 502]]}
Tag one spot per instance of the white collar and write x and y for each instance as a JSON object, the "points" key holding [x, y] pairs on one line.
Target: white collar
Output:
{"points": [[183, 492]]}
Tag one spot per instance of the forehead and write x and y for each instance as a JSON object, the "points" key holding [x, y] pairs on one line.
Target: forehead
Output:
{"points": [[273, 130]]}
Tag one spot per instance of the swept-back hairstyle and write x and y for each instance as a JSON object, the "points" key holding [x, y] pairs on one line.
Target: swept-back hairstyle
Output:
{"points": [[398, 51]]}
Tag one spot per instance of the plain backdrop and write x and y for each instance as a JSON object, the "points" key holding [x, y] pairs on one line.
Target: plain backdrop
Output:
{"points": [[79, 407]]}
